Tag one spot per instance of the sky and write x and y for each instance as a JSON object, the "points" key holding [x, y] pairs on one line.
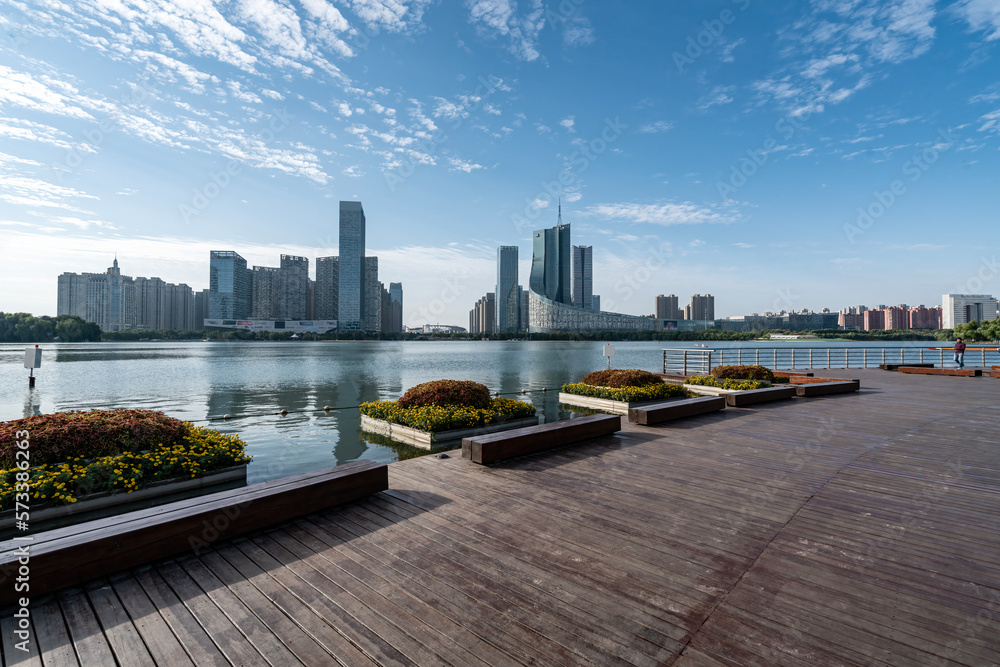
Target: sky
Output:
{"points": [[779, 155]]}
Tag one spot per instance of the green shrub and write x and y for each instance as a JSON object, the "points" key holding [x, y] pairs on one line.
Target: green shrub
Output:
{"points": [[744, 372], [738, 385], [65, 435], [621, 378], [650, 392], [435, 418], [447, 392]]}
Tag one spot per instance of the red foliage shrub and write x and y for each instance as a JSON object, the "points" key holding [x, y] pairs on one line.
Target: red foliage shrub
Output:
{"points": [[744, 372], [621, 378], [65, 435], [447, 392]]}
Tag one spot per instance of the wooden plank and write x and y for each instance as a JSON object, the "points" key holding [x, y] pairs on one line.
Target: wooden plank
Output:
{"points": [[962, 372], [54, 642], [532, 439], [115, 543], [892, 367], [739, 399], [122, 636], [12, 655], [156, 634], [825, 388], [669, 411], [88, 638]]}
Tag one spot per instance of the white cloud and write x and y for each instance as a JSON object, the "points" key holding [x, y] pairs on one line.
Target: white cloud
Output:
{"points": [[568, 123], [500, 18], [43, 94], [982, 15], [658, 127], [685, 213], [461, 165]]}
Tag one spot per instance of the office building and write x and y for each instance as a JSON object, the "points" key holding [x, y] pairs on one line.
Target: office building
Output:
{"points": [[200, 309], [395, 322], [700, 308], [372, 297], [265, 292], [327, 287], [964, 308], [508, 303], [482, 318], [229, 286], [583, 276], [667, 307], [293, 288], [551, 264], [351, 282]]}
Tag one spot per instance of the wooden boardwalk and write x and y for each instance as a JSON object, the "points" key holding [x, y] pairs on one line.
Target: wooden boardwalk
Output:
{"points": [[859, 529]]}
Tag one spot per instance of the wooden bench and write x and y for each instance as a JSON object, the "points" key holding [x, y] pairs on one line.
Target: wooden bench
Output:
{"points": [[738, 399], [531, 439], [75, 554], [893, 367], [670, 410], [971, 372], [829, 387]]}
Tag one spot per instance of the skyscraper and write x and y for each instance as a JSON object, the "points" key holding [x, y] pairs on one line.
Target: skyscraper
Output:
{"points": [[294, 287], [666, 307], [701, 308], [351, 287], [395, 324], [265, 290], [583, 276], [551, 263], [327, 287], [371, 297], [229, 286], [508, 303]]}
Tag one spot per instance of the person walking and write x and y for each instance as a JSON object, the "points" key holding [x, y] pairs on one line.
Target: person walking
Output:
{"points": [[960, 353]]}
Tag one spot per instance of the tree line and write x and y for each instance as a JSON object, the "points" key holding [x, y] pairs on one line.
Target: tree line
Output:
{"points": [[26, 328]]}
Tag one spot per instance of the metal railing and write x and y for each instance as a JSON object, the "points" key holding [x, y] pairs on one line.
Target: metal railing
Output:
{"points": [[788, 358]]}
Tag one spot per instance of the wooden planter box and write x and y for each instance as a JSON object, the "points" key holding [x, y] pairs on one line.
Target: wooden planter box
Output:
{"points": [[606, 404], [736, 398], [95, 501], [429, 440]]}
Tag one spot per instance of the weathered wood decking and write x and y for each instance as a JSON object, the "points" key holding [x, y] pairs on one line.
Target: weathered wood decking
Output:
{"points": [[852, 529]]}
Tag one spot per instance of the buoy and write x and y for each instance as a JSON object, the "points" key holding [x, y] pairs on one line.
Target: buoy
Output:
{"points": [[523, 392], [326, 408], [284, 412], [225, 416]]}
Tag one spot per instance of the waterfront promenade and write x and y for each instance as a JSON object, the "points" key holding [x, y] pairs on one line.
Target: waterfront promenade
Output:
{"points": [[852, 529]]}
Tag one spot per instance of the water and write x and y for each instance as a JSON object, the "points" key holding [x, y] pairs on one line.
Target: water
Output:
{"points": [[252, 382]]}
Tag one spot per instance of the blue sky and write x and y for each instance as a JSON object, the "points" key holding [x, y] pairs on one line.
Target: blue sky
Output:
{"points": [[778, 155]]}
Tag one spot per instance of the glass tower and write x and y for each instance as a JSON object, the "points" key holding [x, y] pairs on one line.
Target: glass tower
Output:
{"points": [[351, 287], [583, 276], [228, 286], [508, 297]]}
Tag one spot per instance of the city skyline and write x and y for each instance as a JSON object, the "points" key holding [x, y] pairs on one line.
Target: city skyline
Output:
{"points": [[805, 155]]}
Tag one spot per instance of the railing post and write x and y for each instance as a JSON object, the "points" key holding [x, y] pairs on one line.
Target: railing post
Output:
{"points": [[847, 357], [739, 356], [775, 364], [810, 357], [921, 355], [685, 367], [709, 369], [864, 358], [828, 364], [984, 356], [793, 358], [941, 352], [901, 360], [756, 356], [883, 356]]}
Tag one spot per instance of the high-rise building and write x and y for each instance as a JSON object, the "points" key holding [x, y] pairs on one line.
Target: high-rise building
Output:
{"points": [[551, 263], [200, 309], [351, 284], [701, 308], [395, 323], [229, 286], [327, 287], [294, 288], [508, 303], [874, 319], [372, 322], [922, 317], [482, 318], [965, 308], [583, 276], [265, 282], [596, 301], [667, 307], [522, 295]]}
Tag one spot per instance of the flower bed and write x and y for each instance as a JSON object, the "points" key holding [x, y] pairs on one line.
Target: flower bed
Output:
{"points": [[616, 391], [743, 372], [728, 384], [198, 452], [434, 413]]}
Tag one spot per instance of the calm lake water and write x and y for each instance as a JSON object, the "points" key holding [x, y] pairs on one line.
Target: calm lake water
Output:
{"points": [[254, 381]]}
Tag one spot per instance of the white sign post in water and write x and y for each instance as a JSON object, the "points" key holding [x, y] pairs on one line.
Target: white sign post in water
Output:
{"points": [[609, 351], [32, 360]]}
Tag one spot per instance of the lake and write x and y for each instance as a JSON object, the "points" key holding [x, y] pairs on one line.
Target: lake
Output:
{"points": [[253, 381]]}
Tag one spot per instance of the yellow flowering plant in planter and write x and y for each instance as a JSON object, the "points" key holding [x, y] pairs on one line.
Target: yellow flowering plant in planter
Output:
{"points": [[446, 405], [627, 386], [187, 451]]}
